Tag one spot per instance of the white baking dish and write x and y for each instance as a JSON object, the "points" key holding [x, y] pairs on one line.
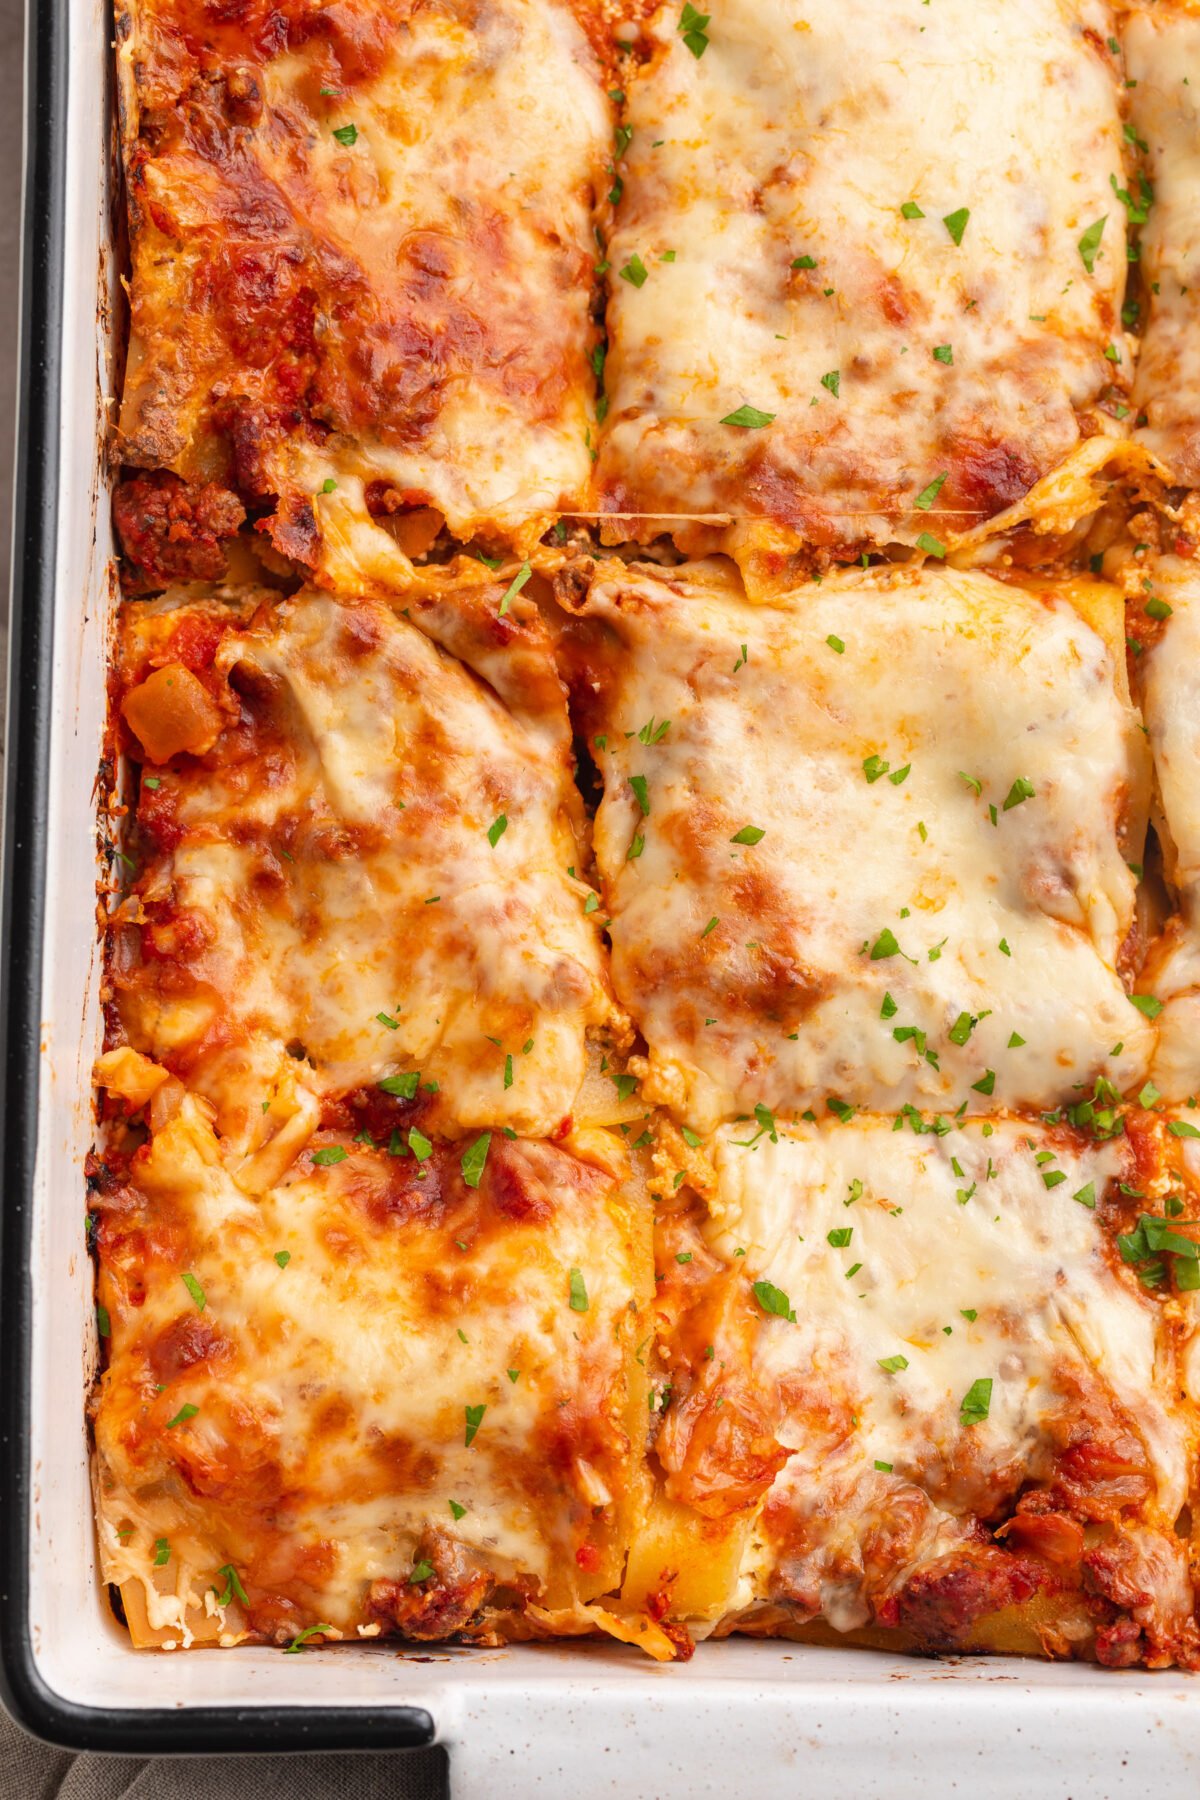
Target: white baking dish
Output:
{"points": [[768, 1720]]}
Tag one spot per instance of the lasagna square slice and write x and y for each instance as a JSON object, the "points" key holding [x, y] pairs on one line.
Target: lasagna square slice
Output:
{"points": [[362, 245], [1162, 49], [390, 1394], [935, 1389], [868, 848], [1165, 624], [873, 269], [359, 843]]}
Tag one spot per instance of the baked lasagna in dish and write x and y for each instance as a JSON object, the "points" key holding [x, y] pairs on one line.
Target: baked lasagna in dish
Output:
{"points": [[651, 1079]]}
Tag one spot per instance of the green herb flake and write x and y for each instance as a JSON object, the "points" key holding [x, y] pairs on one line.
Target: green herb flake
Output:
{"points": [[1089, 243], [956, 223], [928, 495], [892, 1365], [930, 545], [773, 1300], [976, 1402], [514, 587], [474, 1416], [346, 135], [497, 829], [474, 1160], [194, 1289], [331, 1153], [749, 834], [749, 418]]}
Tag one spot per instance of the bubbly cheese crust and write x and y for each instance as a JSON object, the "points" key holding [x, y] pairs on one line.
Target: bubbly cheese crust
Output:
{"points": [[915, 1383], [868, 847], [360, 875], [862, 224], [377, 1392], [363, 255], [1162, 50]]}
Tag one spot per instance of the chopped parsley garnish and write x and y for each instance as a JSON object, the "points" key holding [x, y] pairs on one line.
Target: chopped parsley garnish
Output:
{"points": [[1181, 1129], [692, 28], [421, 1571], [804, 262], [329, 485], [977, 1401], [194, 1289], [233, 1586], [874, 767], [839, 1237], [459, 1512], [910, 210], [301, 1638], [635, 271], [346, 134], [711, 926], [514, 587], [889, 1009], [928, 495], [885, 945], [162, 1553], [641, 793], [773, 1300], [401, 1087], [579, 1299], [1021, 789], [943, 353], [749, 418], [103, 1323], [1086, 1195], [474, 1160], [986, 1083], [956, 223], [892, 1365], [497, 829], [387, 1019], [283, 1258], [1146, 1004], [930, 545], [328, 1155], [419, 1144], [832, 381], [1089, 243], [474, 1416], [749, 834], [835, 643]]}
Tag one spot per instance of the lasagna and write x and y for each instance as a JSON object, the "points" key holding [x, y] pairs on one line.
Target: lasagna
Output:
{"points": [[869, 847], [361, 285], [862, 302], [1163, 197], [652, 905]]}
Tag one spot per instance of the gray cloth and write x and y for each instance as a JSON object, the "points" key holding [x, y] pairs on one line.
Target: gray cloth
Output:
{"points": [[30, 1770]]}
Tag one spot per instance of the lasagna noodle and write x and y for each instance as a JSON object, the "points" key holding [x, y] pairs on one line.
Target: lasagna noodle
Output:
{"points": [[1162, 49], [361, 865], [362, 244], [869, 847], [870, 260], [389, 1395], [908, 1383]]}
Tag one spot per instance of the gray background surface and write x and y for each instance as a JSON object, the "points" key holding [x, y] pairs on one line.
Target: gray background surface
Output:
{"points": [[29, 1770]]}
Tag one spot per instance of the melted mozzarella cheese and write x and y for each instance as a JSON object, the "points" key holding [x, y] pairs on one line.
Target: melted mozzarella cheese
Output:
{"points": [[1162, 50], [765, 192], [917, 1267], [409, 308], [938, 782], [334, 1396], [370, 868]]}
